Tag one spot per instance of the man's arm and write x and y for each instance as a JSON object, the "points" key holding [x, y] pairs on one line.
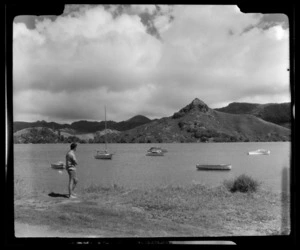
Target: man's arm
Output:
{"points": [[74, 159]]}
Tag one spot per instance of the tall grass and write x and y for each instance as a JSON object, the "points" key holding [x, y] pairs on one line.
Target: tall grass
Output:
{"points": [[242, 183], [94, 188], [20, 187]]}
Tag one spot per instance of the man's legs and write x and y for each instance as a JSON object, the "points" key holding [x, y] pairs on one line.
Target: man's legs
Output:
{"points": [[72, 182], [70, 185], [75, 181]]}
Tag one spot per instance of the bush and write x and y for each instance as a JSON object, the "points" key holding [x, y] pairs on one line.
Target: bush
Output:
{"points": [[181, 125], [242, 183]]}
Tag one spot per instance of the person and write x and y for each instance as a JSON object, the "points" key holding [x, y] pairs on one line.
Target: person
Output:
{"points": [[71, 163]]}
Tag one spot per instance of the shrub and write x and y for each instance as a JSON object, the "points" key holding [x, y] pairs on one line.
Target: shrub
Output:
{"points": [[242, 183], [181, 125]]}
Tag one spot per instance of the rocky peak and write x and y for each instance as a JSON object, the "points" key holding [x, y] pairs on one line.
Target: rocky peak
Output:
{"points": [[196, 105]]}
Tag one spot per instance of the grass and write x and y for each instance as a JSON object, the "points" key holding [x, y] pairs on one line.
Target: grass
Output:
{"points": [[194, 210], [98, 188], [21, 188]]}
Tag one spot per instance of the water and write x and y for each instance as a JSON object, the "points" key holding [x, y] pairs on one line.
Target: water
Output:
{"points": [[130, 167]]}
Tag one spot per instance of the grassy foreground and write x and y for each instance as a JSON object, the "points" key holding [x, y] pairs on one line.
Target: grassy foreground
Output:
{"points": [[191, 211]]}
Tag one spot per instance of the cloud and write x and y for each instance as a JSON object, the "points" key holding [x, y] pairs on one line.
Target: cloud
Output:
{"points": [[86, 52], [146, 59], [202, 58], [151, 9]]}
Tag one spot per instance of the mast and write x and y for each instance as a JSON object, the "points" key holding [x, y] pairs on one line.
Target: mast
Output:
{"points": [[105, 128]]}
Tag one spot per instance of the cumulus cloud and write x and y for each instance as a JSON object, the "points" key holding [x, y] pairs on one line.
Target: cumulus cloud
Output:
{"points": [[207, 54], [145, 59]]}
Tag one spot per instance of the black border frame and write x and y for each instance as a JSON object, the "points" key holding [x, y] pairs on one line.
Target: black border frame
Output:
{"points": [[12, 10]]}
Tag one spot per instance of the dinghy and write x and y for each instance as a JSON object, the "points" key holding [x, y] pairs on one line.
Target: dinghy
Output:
{"points": [[155, 153], [157, 149], [213, 166], [259, 152], [103, 155], [58, 165]]}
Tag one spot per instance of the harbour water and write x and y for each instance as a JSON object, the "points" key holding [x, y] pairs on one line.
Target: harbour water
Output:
{"points": [[131, 168]]}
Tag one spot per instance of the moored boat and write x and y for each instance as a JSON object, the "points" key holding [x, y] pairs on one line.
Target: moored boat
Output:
{"points": [[103, 155], [259, 152], [213, 166], [155, 153], [58, 165], [157, 149]]}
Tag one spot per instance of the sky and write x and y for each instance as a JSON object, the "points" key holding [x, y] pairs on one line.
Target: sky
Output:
{"points": [[149, 60]]}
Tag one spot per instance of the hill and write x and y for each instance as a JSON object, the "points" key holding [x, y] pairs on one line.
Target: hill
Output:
{"points": [[279, 114], [47, 135], [38, 135], [85, 126], [198, 123], [19, 125], [133, 122]]}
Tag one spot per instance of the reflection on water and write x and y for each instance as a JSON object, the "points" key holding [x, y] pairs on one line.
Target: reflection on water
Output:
{"points": [[130, 167]]}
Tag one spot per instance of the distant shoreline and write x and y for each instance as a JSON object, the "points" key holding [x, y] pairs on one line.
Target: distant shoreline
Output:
{"points": [[195, 122]]}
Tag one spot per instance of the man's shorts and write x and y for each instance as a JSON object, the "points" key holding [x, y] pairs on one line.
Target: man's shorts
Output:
{"points": [[72, 173]]}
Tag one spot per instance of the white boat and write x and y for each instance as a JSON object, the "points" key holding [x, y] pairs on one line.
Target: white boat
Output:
{"points": [[157, 149], [213, 166], [105, 155], [58, 165], [259, 152], [155, 153]]}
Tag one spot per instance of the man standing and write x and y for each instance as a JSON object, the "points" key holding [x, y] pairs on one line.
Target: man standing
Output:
{"points": [[71, 163]]}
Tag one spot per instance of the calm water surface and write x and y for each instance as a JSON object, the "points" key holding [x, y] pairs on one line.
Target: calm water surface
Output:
{"points": [[130, 167]]}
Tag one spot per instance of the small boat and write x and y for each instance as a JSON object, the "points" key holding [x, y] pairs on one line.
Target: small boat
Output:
{"points": [[157, 149], [58, 165], [103, 155], [155, 153], [213, 167], [259, 152]]}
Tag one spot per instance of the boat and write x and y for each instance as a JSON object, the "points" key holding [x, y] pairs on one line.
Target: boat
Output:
{"points": [[155, 153], [213, 166], [259, 152], [104, 154], [58, 165], [157, 149]]}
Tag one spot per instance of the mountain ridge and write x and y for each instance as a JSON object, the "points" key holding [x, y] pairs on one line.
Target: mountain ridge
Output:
{"points": [[84, 126], [278, 113], [195, 122]]}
